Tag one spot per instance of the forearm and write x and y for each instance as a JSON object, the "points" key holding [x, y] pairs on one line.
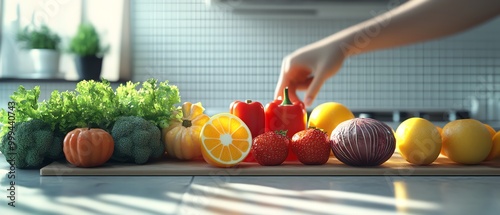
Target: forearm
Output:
{"points": [[413, 22]]}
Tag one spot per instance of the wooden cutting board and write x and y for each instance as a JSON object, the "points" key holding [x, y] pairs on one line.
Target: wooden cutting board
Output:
{"points": [[396, 166]]}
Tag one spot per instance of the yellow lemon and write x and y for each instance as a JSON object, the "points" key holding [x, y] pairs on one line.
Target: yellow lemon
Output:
{"points": [[466, 141], [418, 141], [328, 115]]}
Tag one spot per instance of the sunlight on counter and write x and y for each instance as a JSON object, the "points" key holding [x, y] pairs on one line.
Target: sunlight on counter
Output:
{"points": [[235, 198]]}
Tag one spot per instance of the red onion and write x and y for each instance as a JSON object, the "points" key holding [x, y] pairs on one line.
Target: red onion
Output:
{"points": [[363, 142]]}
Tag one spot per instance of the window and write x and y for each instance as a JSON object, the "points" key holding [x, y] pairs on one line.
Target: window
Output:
{"points": [[110, 17], [1, 18]]}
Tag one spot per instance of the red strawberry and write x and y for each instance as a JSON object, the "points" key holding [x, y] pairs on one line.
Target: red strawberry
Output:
{"points": [[270, 148], [312, 146]]}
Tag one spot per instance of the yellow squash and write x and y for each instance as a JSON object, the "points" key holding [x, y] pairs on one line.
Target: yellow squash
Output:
{"points": [[182, 138]]}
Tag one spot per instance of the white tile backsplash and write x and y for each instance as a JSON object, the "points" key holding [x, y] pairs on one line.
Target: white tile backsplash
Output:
{"points": [[217, 57]]}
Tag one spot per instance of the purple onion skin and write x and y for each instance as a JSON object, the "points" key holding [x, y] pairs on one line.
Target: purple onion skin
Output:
{"points": [[363, 142]]}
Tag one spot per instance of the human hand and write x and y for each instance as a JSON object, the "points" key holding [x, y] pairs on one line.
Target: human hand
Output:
{"points": [[308, 68]]}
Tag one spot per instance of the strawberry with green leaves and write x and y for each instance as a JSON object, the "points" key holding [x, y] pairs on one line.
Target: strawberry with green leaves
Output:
{"points": [[312, 146], [270, 148]]}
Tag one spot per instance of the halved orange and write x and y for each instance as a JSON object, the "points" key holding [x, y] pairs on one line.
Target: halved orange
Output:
{"points": [[225, 140]]}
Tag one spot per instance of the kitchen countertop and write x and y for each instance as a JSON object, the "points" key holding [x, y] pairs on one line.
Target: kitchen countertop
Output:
{"points": [[247, 195]]}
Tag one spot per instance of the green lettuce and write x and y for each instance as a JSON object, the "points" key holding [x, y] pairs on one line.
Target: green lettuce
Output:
{"points": [[96, 104]]}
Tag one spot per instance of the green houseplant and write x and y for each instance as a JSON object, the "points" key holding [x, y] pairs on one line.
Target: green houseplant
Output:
{"points": [[86, 45], [43, 46]]}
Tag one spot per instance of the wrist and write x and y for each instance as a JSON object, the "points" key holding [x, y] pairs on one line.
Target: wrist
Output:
{"points": [[341, 42], [345, 41]]}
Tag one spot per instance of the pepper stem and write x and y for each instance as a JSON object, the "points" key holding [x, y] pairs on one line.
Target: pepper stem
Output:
{"points": [[248, 101], [286, 99]]}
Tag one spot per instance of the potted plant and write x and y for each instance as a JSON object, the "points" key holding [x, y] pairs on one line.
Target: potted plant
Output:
{"points": [[86, 45], [43, 46]]}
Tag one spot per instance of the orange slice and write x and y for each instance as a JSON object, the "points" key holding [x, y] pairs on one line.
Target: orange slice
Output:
{"points": [[225, 140]]}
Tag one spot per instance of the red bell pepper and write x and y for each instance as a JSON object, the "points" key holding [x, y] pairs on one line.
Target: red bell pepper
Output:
{"points": [[252, 114], [285, 115]]}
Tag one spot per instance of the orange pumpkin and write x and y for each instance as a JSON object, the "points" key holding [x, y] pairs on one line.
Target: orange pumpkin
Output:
{"points": [[182, 138], [84, 147]]}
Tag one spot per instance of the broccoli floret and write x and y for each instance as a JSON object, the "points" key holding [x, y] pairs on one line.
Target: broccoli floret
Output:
{"points": [[34, 144], [136, 140], [56, 147]]}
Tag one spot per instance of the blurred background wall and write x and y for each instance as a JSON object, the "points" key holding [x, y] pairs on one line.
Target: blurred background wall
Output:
{"points": [[216, 56]]}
